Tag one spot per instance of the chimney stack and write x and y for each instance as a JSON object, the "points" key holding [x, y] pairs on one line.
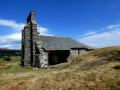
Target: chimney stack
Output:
{"points": [[31, 16]]}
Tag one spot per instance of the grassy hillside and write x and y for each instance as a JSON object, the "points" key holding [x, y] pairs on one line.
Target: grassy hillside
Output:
{"points": [[96, 70]]}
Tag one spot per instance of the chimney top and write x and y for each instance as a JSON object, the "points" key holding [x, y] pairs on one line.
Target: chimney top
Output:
{"points": [[31, 16]]}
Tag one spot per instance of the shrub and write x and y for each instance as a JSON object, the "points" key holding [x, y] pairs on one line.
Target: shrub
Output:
{"points": [[1, 56], [7, 58], [117, 67]]}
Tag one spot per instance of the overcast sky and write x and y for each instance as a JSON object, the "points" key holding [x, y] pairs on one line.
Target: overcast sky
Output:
{"points": [[92, 22]]}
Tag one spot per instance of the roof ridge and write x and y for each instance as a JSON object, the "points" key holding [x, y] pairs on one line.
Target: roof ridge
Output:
{"points": [[53, 36]]}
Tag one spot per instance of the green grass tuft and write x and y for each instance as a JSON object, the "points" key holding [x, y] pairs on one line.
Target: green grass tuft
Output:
{"points": [[7, 58], [8, 67]]}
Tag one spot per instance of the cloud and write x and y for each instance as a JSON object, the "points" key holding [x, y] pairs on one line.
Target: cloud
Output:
{"points": [[6, 46], [12, 24], [109, 38], [15, 46], [14, 40], [10, 38], [89, 33], [20, 26], [113, 26], [43, 31]]}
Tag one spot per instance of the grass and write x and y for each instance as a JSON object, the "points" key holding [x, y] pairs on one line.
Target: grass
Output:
{"points": [[91, 71]]}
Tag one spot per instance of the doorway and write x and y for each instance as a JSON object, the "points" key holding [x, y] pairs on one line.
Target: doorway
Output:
{"points": [[56, 57]]}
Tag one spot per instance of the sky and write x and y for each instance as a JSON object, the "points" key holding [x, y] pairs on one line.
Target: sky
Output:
{"points": [[93, 22]]}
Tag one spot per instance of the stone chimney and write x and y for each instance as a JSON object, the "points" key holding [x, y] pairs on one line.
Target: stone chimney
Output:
{"points": [[29, 38], [31, 16]]}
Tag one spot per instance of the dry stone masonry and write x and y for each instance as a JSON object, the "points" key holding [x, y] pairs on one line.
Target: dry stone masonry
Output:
{"points": [[42, 51]]}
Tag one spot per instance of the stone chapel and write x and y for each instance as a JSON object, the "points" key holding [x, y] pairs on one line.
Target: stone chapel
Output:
{"points": [[42, 51]]}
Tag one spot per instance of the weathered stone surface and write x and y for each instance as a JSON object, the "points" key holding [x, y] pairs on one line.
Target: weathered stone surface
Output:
{"points": [[30, 56], [29, 37], [74, 53], [43, 60], [33, 50], [82, 52]]}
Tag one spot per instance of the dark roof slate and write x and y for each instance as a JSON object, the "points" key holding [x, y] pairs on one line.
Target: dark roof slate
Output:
{"points": [[60, 43]]}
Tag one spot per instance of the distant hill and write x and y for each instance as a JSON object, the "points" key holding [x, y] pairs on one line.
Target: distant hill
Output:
{"points": [[10, 52]]}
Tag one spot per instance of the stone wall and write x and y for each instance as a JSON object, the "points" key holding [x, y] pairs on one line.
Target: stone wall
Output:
{"points": [[43, 56], [82, 51], [26, 45], [29, 37], [74, 53], [42, 59], [34, 38]]}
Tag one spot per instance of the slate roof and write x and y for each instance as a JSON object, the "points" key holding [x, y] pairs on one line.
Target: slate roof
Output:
{"points": [[60, 43]]}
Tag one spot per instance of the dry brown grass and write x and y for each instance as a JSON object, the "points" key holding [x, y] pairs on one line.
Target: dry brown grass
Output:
{"points": [[91, 71]]}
